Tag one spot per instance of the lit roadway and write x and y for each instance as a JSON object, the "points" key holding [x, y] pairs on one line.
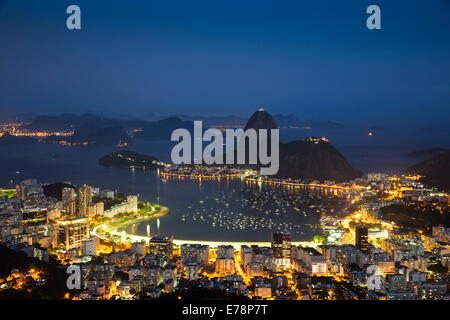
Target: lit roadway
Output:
{"points": [[212, 244]]}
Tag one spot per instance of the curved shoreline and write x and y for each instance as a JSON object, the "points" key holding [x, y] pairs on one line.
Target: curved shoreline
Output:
{"points": [[114, 225], [212, 244]]}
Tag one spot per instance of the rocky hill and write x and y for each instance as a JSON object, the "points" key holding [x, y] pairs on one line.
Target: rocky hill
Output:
{"points": [[314, 158], [311, 158]]}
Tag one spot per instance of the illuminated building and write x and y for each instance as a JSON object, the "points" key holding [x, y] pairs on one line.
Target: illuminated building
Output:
{"points": [[225, 252], [311, 260], [34, 216], [441, 233], [192, 270], [281, 245], [96, 209], [72, 233], [254, 269], [246, 255], [22, 192], [70, 208], [130, 205], [361, 237], [263, 290], [10, 224], [84, 200], [170, 273], [153, 275], [162, 246], [195, 253], [396, 282], [68, 194], [225, 266], [126, 258]]}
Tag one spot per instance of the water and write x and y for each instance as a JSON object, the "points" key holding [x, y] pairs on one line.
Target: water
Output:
{"points": [[229, 210]]}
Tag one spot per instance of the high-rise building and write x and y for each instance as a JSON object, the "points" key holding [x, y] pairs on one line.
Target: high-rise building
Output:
{"points": [[163, 246], [68, 194], [96, 209], [70, 208], [22, 192], [224, 251], [195, 253], [281, 245], [72, 233], [361, 237], [84, 200]]}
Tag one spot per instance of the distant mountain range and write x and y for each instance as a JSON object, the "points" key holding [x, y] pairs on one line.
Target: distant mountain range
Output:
{"points": [[283, 121], [106, 131], [436, 171]]}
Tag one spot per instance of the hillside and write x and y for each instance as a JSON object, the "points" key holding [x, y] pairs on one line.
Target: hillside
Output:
{"points": [[436, 171], [125, 159], [311, 158], [94, 134], [314, 158]]}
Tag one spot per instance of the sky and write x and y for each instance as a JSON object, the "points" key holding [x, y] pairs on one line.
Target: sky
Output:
{"points": [[315, 59]]}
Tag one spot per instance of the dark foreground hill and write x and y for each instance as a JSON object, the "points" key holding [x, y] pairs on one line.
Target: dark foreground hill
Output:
{"points": [[436, 171]]}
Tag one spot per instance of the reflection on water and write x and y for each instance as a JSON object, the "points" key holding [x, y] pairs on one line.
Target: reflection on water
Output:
{"points": [[225, 210], [237, 211]]}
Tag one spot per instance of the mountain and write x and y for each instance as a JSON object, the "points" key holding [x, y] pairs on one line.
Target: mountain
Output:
{"points": [[426, 153], [93, 134], [125, 159], [146, 130], [162, 129], [9, 139], [66, 121], [436, 171], [261, 119], [311, 158], [316, 159], [54, 190]]}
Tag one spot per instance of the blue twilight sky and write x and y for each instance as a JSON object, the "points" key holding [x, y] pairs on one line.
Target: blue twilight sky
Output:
{"points": [[315, 59]]}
